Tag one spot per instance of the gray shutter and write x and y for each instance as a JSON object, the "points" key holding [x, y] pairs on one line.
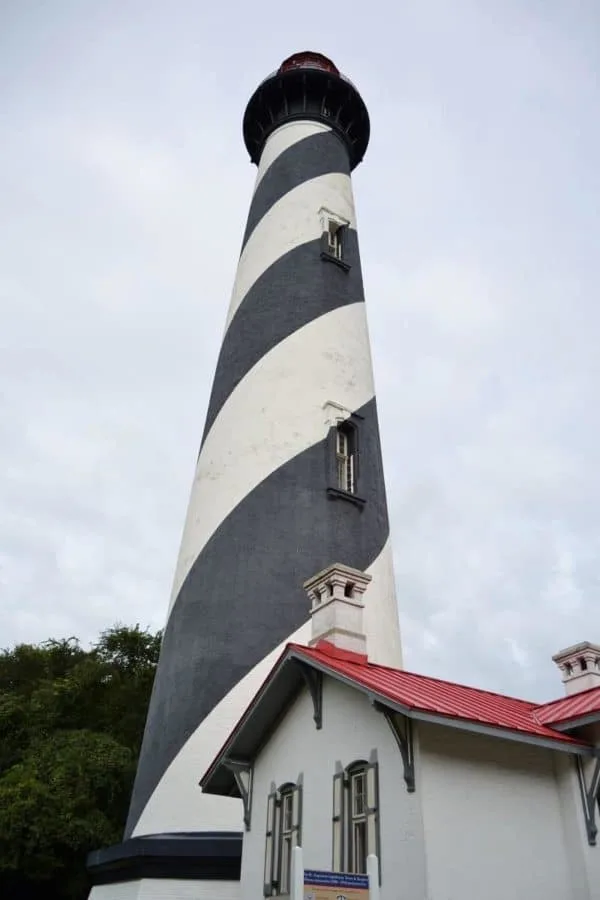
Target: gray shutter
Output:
{"points": [[270, 844], [337, 863], [372, 774], [297, 815]]}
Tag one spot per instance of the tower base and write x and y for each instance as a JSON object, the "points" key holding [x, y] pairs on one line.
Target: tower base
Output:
{"points": [[184, 866]]}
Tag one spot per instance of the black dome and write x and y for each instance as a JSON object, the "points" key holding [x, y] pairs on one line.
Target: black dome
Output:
{"points": [[307, 86]]}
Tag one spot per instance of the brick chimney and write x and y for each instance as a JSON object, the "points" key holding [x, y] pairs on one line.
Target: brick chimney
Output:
{"points": [[336, 596], [579, 666]]}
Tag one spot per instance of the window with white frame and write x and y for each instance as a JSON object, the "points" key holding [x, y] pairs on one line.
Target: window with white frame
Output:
{"points": [[334, 240], [346, 458], [355, 817], [333, 230], [357, 796], [284, 814]]}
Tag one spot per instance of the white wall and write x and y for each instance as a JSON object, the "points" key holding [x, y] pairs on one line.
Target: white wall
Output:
{"points": [[584, 861], [170, 889], [167, 889], [123, 890], [490, 820], [492, 817], [351, 729]]}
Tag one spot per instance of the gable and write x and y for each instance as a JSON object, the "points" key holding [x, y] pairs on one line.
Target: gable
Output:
{"points": [[402, 697], [350, 727], [352, 732]]}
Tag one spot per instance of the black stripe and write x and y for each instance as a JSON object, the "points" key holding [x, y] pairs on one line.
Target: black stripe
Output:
{"points": [[296, 289], [207, 856], [244, 595], [318, 154]]}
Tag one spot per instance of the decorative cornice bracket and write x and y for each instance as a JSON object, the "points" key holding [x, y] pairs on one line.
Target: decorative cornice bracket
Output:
{"points": [[314, 682], [589, 795], [242, 772], [401, 728]]}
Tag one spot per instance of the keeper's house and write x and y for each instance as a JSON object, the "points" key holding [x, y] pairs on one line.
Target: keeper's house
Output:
{"points": [[461, 794]]}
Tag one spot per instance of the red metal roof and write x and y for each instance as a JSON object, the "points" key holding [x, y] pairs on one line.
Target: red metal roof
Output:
{"points": [[440, 698], [569, 708]]}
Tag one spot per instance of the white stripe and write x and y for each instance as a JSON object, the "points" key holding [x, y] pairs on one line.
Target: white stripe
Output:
{"points": [[284, 138], [381, 623], [177, 803], [292, 221], [273, 414]]}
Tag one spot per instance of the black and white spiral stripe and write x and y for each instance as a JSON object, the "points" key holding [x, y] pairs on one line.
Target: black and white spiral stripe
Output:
{"points": [[260, 520]]}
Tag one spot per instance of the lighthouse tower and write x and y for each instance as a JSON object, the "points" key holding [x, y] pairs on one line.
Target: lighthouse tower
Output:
{"points": [[289, 478]]}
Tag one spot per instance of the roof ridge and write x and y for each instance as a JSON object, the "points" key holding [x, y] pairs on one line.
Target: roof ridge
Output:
{"points": [[566, 697], [530, 703]]}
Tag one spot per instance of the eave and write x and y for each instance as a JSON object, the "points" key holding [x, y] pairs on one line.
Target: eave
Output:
{"points": [[461, 724], [592, 718], [284, 684]]}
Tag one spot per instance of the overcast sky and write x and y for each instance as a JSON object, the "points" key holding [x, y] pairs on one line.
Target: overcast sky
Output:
{"points": [[124, 187]]}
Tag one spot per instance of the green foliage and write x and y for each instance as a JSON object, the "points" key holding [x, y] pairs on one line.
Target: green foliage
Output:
{"points": [[71, 724]]}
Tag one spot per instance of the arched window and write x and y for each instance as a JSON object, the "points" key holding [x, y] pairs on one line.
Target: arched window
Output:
{"points": [[284, 813], [357, 819], [355, 816]]}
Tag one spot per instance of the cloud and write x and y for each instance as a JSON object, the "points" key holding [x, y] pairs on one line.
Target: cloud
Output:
{"points": [[125, 187]]}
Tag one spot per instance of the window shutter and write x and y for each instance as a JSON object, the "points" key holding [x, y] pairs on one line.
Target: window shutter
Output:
{"points": [[351, 475], [297, 815], [355, 453], [372, 808], [270, 844], [337, 864]]}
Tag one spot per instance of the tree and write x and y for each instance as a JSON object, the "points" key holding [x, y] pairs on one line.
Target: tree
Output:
{"points": [[71, 724]]}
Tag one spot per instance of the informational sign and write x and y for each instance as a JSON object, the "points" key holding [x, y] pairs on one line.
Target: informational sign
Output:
{"points": [[335, 886]]}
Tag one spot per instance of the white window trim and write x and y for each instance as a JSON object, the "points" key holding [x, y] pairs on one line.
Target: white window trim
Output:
{"points": [[277, 881], [329, 218], [335, 413], [331, 225], [345, 459], [343, 819], [357, 819]]}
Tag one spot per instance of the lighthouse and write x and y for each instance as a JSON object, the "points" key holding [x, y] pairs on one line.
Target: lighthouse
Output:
{"points": [[289, 479]]}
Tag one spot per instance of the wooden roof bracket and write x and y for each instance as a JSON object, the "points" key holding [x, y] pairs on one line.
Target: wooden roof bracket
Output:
{"points": [[402, 729], [590, 794], [242, 772], [313, 679]]}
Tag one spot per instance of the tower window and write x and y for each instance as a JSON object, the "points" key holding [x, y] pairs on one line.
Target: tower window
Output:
{"points": [[346, 459], [333, 231], [334, 240], [343, 458]]}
